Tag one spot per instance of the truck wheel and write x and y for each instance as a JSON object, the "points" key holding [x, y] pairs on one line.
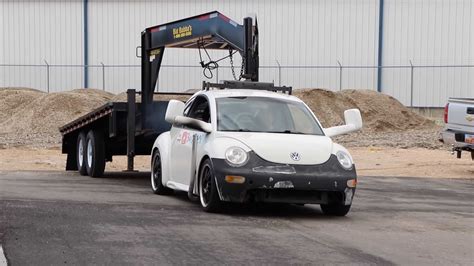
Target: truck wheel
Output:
{"points": [[335, 209], [208, 195], [95, 153], [81, 153], [156, 176]]}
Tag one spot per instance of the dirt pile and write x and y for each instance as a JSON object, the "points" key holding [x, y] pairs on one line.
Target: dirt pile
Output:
{"points": [[32, 117], [13, 100], [380, 112]]}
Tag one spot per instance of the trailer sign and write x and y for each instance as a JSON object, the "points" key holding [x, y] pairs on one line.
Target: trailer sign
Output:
{"points": [[181, 32]]}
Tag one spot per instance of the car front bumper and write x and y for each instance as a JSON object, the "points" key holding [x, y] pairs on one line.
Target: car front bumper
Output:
{"points": [[270, 182]]}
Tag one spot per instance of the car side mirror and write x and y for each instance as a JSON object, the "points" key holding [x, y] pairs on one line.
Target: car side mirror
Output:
{"points": [[353, 123], [175, 108], [193, 123]]}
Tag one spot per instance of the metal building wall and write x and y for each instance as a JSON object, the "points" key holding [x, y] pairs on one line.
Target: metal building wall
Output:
{"points": [[428, 32], [35, 31], [293, 33]]}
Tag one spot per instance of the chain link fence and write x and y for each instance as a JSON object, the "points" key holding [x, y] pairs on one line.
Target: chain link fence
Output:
{"points": [[413, 85]]}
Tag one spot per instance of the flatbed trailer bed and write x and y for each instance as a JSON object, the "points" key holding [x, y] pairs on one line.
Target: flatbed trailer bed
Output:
{"points": [[114, 121]]}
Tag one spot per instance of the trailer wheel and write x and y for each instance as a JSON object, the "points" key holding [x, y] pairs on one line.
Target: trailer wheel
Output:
{"points": [[156, 176], [208, 195], [81, 153], [95, 153], [335, 209]]}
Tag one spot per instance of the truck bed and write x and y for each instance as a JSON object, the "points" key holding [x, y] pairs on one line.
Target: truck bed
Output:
{"points": [[461, 115], [459, 125]]}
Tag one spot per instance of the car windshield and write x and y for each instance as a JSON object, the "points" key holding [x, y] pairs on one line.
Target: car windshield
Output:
{"points": [[261, 114]]}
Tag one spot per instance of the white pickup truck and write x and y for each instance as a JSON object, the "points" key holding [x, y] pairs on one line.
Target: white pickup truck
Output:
{"points": [[459, 125]]}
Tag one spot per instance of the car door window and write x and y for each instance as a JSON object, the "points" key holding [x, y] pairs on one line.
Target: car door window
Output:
{"points": [[200, 110], [188, 106]]}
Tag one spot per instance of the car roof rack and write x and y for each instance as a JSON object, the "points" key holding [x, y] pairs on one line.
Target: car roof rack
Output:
{"points": [[246, 85]]}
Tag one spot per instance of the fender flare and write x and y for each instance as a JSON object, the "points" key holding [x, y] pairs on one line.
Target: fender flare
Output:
{"points": [[196, 177]]}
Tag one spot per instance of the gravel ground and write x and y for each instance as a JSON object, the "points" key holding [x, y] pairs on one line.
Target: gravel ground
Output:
{"points": [[421, 138], [32, 140], [415, 138]]}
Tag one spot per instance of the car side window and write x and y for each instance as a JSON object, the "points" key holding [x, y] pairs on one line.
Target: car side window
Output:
{"points": [[200, 110]]}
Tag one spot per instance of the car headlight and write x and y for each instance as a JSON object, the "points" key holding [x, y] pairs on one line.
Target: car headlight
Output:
{"points": [[236, 156], [344, 159]]}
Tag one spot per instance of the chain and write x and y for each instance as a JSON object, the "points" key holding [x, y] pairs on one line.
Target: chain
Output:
{"points": [[232, 66], [242, 68]]}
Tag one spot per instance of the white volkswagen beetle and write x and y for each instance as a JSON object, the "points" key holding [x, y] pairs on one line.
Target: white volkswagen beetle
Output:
{"points": [[240, 145]]}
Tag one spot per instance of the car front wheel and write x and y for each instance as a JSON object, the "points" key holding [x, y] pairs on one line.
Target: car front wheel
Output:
{"points": [[208, 195], [156, 176]]}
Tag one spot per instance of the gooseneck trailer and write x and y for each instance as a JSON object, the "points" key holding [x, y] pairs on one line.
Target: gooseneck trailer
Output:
{"points": [[130, 128]]}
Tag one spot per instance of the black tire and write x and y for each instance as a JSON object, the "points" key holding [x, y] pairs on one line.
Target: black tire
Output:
{"points": [[335, 209], [156, 176], [81, 153], [208, 195], [95, 153]]}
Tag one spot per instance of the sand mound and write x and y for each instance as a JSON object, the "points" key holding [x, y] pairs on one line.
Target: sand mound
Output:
{"points": [[14, 99], [29, 116], [30, 112], [380, 112]]}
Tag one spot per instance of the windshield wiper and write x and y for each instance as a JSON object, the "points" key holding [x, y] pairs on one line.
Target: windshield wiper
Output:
{"points": [[238, 130], [286, 132]]}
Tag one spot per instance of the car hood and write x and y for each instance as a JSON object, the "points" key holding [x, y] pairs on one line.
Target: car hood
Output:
{"points": [[281, 148]]}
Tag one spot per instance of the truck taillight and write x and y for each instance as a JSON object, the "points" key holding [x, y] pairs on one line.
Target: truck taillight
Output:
{"points": [[446, 113]]}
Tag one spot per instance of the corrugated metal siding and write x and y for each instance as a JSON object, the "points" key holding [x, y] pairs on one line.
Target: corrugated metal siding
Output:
{"points": [[429, 32], [294, 33], [34, 31]]}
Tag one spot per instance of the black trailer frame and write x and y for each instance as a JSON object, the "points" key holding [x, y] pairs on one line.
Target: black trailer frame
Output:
{"points": [[130, 128]]}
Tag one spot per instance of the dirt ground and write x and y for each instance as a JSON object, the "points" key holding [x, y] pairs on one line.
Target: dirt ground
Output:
{"points": [[370, 161]]}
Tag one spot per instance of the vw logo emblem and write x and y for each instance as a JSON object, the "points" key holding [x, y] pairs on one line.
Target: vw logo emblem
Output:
{"points": [[295, 156]]}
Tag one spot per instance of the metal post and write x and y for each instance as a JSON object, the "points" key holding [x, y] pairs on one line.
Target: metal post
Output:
{"points": [[279, 73], [131, 108], [47, 73], [380, 46], [217, 75], [340, 75], [86, 42], [411, 83], [103, 76]]}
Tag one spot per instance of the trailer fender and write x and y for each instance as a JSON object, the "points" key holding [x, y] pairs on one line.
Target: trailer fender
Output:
{"points": [[163, 144]]}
